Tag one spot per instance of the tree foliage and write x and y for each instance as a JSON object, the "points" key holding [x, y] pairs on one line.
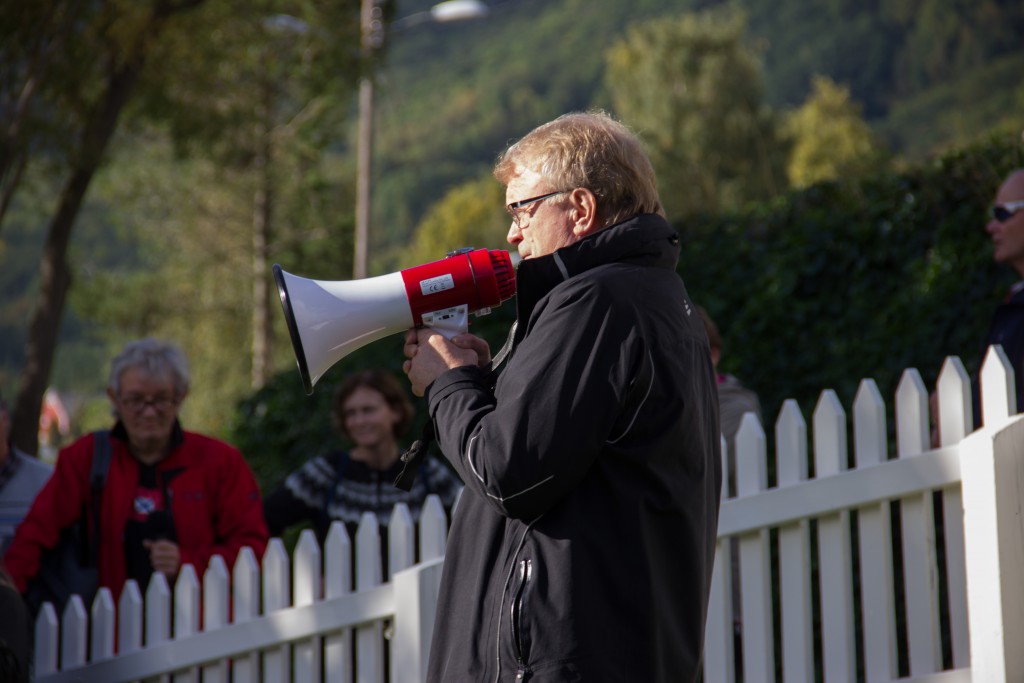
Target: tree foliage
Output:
{"points": [[251, 87], [692, 88], [829, 139], [267, 111], [74, 68], [469, 215]]}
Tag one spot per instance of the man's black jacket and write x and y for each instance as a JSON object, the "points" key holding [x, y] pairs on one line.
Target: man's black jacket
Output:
{"points": [[582, 546]]}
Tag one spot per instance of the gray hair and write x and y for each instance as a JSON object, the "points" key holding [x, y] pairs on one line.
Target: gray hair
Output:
{"points": [[154, 357], [590, 150]]}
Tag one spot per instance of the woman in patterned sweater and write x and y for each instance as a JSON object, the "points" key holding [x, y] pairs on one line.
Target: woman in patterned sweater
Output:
{"points": [[373, 412]]}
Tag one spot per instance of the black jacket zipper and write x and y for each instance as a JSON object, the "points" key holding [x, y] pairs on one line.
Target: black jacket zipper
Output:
{"points": [[518, 637]]}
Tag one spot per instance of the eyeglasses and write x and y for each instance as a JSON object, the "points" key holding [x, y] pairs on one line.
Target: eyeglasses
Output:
{"points": [[1004, 212], [514, 208], [137, 404]]}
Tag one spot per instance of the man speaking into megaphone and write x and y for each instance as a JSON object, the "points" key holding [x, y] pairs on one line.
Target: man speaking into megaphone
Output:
{"points": [[583, 543]]}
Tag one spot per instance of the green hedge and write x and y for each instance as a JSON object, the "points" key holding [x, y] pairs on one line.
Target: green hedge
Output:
{"points": [[849, 280]]}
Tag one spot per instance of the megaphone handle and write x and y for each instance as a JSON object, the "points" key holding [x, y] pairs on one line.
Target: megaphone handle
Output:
{"points": [[448, 321]]}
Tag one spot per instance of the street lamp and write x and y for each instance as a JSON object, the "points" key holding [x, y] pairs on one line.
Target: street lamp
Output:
{"points": [[372, 36]]}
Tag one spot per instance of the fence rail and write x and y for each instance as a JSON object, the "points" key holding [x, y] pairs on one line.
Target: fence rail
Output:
{"points": [[854, 564]]}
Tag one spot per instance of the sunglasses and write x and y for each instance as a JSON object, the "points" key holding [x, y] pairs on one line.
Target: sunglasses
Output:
{"points": [[1004, 212]]}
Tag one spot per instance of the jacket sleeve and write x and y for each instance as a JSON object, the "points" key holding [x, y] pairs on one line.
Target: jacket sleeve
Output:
{"points": [[528, 443], [57, 506], [283, 509], [237, 515]]}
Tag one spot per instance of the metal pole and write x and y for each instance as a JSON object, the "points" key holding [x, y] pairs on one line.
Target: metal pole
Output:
{"points": [[364, 162], [369, 16], [371, 36]]}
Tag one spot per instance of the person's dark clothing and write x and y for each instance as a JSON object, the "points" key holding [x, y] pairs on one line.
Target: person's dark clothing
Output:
{"points": [[583, 544], [1007, 330], [316, 494], [150, 520], [16, 631]]}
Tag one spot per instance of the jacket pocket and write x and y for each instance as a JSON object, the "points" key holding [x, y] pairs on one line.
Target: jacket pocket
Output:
{"points": [[520, 635]]}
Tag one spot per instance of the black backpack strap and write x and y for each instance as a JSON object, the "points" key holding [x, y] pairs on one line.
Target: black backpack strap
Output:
{"points": [[97, 480]]}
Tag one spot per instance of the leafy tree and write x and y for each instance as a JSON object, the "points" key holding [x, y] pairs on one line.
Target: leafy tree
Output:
{"points": [[191, 277], [268, 111], [469, 215], [829, 138], [187, 281], [692, 88], [252, 87], [70, 69]]}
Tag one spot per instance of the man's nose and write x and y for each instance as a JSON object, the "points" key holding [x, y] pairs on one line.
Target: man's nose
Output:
{"points": [[515, 235]]}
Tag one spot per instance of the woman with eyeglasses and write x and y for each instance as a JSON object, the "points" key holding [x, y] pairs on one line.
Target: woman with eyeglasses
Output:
{"points": [[145, 497]]}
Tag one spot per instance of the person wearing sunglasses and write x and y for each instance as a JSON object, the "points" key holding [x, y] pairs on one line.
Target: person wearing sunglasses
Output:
{"points": [[582, 546], [1005, 228]]}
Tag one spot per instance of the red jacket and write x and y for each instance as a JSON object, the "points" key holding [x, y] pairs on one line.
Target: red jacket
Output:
{"points": [[216, 506]]}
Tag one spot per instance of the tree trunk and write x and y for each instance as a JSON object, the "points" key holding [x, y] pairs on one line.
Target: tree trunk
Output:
{"points": [[262, 329], [54, 271], [262, 230]]}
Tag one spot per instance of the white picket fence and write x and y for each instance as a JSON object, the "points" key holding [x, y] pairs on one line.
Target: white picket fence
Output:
{"points": [[840, 614], [289, 619], [977, 483]]}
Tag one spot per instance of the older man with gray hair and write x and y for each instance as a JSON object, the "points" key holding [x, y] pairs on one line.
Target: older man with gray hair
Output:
{"points": [[170, 497]]}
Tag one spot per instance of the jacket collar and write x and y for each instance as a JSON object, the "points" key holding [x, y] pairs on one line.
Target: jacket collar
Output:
{"points": [[177, 436], [646, 239]]}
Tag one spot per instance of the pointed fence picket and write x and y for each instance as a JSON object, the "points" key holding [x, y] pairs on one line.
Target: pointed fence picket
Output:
{"points": [[855, 564]]}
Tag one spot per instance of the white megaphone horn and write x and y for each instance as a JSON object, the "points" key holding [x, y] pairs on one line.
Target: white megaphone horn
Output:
{"points": [[328, 320]]}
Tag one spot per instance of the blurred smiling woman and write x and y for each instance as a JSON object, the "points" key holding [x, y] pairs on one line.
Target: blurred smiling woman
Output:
{"points": [[373, 412]]}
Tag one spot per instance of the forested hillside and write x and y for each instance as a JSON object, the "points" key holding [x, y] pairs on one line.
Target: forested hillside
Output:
{"points": [[929, 74]]}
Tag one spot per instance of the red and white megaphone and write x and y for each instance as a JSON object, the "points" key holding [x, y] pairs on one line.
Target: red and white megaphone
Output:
{"points": [[328, 320]]}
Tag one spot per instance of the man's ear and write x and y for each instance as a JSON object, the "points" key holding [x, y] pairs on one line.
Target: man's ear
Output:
{"points": [[584, 212]]}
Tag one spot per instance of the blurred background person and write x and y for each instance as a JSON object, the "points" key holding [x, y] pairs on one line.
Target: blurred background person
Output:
{"points": [[373, 412], [1005, 228], [734, 399], [21, 478], [54, 425], [16, 633], [171, 497]]}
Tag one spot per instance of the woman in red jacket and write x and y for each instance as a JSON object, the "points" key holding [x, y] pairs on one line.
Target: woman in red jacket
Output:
{"points": [[170, 497]]}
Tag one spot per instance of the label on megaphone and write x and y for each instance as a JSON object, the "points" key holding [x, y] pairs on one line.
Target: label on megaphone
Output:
{"points": [[327, 320], [450, 321], [477, 279]]}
